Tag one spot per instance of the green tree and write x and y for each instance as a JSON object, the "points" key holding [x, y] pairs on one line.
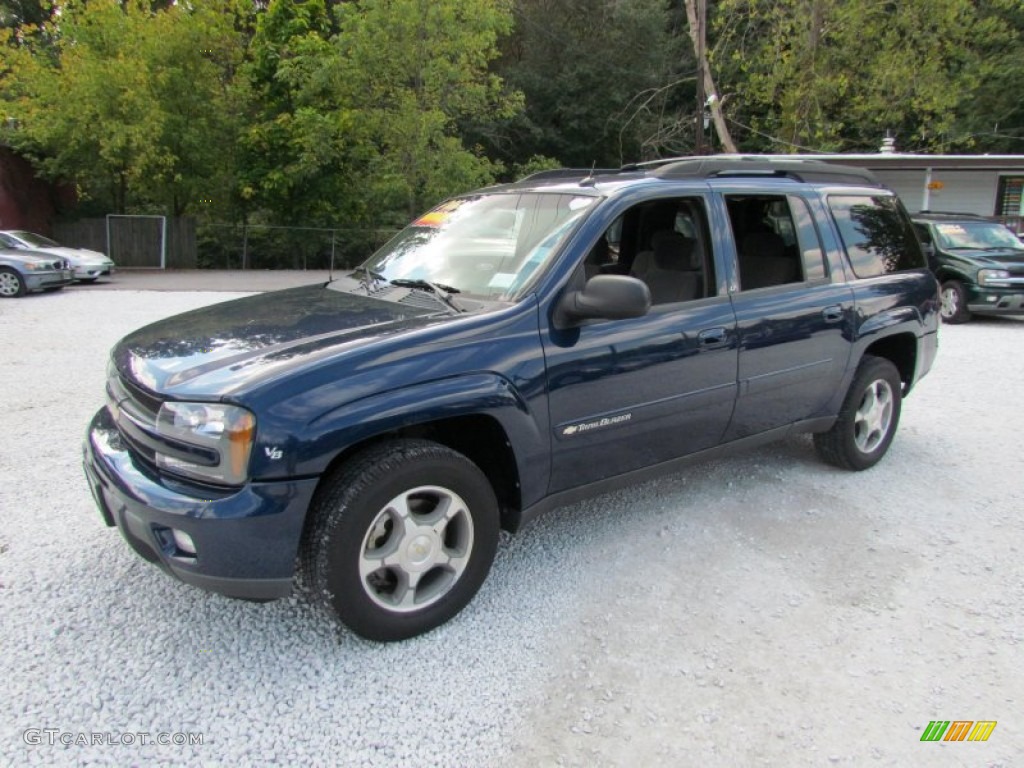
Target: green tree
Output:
{"points": [[294, 147], [991, 116], [355, 119], [603, 82], [18, 13], [834, 75], [413, 71], [132, 105]]}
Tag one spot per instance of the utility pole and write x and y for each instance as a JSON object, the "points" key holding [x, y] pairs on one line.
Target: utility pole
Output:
{"points": [[701, 46]]}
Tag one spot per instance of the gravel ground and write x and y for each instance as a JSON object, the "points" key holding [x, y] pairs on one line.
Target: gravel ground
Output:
{"points": [[758, 610]]}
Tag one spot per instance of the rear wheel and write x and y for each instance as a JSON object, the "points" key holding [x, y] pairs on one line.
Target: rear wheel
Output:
{"points": [[954, 303], [402, 537], [11, 283], [868, 419]]}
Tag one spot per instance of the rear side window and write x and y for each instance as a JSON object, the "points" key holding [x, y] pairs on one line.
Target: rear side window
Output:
{"points": [[877, 235]]}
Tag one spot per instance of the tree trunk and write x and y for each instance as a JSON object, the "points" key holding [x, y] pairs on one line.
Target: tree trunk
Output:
{"points": [[709, 84]]}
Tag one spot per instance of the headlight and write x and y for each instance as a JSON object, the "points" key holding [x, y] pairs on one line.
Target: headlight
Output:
{"points": [[992, 276], [206, 441]]}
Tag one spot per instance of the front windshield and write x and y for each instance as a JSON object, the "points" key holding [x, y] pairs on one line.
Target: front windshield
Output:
{"points": [[37, 241], [976, 234], [487, 244]]}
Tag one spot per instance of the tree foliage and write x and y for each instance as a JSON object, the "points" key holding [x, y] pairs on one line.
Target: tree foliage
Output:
{"points": [[363, 112], [601, 81], [132, 105], [830, 75]]}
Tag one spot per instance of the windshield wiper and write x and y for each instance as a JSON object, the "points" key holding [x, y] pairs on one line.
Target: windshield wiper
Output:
{"points": [[443, 292]]}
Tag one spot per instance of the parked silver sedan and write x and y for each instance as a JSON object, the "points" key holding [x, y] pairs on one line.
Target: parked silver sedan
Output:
{"points": [[87, 265], [24, 271]]}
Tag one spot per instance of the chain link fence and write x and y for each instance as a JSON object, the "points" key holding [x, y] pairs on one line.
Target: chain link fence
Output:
{"points": [[260, 246]]}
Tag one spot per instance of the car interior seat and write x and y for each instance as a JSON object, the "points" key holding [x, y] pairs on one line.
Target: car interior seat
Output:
{"points": [[763, 261], [672, 269]]}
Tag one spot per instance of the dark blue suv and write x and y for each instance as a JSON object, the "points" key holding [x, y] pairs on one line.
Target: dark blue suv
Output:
{"points": [[512, 350]]}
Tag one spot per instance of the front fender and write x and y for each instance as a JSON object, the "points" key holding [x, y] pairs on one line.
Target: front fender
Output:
{"points": [[946, 273], [486, 394]]}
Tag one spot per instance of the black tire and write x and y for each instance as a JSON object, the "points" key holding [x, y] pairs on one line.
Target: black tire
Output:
{"points": [[953, 305], [12, 285], [868, 418], [86, 280], [358, 511]]}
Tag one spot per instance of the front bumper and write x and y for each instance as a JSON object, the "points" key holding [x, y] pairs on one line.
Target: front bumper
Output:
{"points": [[40, 280], [996, 301], [246, 540], [91, 271]]}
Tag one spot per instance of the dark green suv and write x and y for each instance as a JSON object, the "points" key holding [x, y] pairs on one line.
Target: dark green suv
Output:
{"points": [[978, 262]]}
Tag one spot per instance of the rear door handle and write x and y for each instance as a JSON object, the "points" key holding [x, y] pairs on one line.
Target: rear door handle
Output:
{"points": [[832, 314], [712, 338]]}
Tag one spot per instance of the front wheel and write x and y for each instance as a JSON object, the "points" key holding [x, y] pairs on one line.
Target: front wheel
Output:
{"points": [[953, 308], [11, 283], [402, 537], [867, 420]]}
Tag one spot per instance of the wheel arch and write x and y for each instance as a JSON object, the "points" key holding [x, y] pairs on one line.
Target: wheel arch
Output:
{"points": [[901, 350], [946, 273], [479, 437]]}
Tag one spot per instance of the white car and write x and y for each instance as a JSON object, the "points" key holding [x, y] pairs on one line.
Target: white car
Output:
{"points": [[86, 265]]}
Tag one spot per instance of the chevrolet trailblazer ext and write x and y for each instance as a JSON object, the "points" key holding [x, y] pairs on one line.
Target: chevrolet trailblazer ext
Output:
{"points": [[513, 349]]}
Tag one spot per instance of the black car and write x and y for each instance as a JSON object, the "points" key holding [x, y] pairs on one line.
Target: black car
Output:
{"points": [[978, 262], [514, 349]]}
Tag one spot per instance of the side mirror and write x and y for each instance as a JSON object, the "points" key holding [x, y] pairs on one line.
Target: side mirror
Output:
{"points": [[604, 297]]}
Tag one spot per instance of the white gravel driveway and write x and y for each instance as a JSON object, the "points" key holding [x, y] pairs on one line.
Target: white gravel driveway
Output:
{"points": [[759, 610]]}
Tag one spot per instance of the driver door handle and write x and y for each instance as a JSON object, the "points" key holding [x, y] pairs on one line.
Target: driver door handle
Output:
{"points": [[832, 314], [712, 338]]}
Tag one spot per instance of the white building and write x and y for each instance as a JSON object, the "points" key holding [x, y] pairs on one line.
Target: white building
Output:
{"points": [[987, 185]]}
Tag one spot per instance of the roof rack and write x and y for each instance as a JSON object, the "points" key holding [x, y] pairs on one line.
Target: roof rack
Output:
{"points": [[790, 167], [743, 166]]}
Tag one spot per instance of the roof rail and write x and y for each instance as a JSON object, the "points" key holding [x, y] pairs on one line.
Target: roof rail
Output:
{"points": [[747, 166], [569, 173], [960, 214]]}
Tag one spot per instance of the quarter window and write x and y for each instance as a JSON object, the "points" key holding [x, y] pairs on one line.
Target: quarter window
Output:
{"points": [[876, 233]]}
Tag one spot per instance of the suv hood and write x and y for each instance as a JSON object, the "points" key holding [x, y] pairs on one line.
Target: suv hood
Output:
{"points": [[998, 259], [220, 349]]}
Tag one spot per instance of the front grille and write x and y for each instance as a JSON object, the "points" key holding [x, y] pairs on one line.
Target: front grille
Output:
{"points": [[151, 403], [135, 414]]}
